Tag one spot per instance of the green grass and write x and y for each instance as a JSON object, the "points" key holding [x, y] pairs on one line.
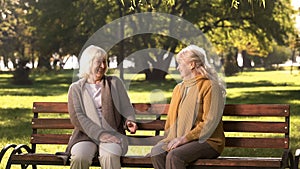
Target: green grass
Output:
{"points": [[247, 87]]}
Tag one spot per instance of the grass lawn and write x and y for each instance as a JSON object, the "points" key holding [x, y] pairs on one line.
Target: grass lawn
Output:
{"points": [[247, 87]]}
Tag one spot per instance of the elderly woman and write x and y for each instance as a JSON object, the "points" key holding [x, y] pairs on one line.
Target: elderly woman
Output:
{"points": [[194, 127], [100, 111]]}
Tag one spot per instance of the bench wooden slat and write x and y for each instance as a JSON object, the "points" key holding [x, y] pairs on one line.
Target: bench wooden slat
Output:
{"points": [[145, 108], [51, 159], [50, 107], [56, 123], [144, 140], [37, 158], [151, 125], [247, 126], [64, 139], [281, 110], [142, 161], [240, 161], [257, 142], [148, 140], [50, 138], [51, 123], [229, 126]]}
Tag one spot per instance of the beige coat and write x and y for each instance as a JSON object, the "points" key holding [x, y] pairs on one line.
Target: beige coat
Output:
{"points": [[116, 109]]}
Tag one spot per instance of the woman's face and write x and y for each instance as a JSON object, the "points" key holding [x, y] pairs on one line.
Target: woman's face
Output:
{"points": [[99, 66], [184, 67]]}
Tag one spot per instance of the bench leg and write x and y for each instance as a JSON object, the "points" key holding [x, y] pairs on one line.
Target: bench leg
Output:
{"points": [[297, 154], [288, 160]]}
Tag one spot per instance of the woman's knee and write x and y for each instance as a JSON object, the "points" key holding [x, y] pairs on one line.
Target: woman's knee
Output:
{"points": [[83, 152], [173, 155], [157, 150], [81, 158]]}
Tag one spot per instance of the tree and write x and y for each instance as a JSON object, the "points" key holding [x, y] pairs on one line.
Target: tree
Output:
{"points": [[228, 27], [64, 26], [15, 38], [279, 55]]}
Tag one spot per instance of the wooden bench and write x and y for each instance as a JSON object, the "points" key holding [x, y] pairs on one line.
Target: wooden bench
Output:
{"points": [[254, 127]]}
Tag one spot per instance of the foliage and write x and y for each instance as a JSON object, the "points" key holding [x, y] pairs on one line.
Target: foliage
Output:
{"points": [[277, 56], [37, 29], [235, 3], [15, 33]]}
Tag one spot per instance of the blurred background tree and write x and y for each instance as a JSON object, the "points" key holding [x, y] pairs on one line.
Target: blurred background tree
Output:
{"points": [[36, 29]]}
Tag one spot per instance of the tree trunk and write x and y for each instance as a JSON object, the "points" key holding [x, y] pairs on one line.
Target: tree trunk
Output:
{"points": [[155, 75]]}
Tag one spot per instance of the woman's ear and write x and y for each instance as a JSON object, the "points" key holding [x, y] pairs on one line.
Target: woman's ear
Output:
{"points": [[192, 65]]}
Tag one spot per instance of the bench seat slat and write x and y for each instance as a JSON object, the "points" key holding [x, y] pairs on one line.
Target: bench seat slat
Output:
{"points": [[240, 161], [142, 161]]}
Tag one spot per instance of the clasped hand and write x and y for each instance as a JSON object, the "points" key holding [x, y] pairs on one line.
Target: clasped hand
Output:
{"points": [[109, 138], [176, 142]]}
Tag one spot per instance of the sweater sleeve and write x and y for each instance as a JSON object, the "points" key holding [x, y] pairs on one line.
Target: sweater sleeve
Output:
{"points": [[213, 105], [77, 116], [121, 99]]}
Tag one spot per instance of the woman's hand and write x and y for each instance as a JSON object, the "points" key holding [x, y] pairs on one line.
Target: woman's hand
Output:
{"points": [[108, 138], [176, 143], [132, 127]]}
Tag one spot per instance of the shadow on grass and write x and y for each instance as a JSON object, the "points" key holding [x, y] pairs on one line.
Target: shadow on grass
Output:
{"points": [[262, 83], [15, 123], [41, 90], [276, 96], [270, 97], [147, 86], [42, 86]]}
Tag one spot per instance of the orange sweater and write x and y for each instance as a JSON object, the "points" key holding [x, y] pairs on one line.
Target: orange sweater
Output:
{"points": [[207, 92]]}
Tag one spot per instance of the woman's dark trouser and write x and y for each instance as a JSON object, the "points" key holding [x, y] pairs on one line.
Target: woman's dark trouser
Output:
{"points": [[179, 157]]}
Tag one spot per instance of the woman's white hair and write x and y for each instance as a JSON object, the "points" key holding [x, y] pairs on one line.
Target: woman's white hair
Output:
{"points": [[87, 57], [202, 66]]}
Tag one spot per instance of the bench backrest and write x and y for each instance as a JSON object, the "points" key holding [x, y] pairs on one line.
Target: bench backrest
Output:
{"points": [[245, 125]]}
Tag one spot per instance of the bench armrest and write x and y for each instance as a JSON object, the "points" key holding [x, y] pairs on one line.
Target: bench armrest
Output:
{"points": [[18, 150], [4, 150]]}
